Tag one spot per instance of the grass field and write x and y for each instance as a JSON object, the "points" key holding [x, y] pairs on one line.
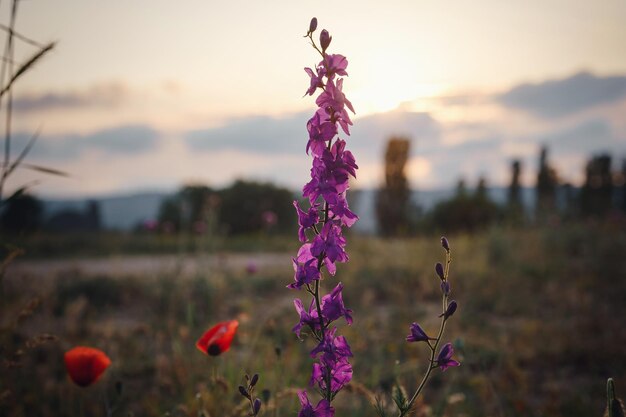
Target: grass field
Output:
{"points": [[538, 330]]}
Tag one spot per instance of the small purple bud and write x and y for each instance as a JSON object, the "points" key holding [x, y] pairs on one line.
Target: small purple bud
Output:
{"points": [[312, 26], [445, 287], [243, 391], [445, 244], [439, 270], [257, 406], [325, 39], [254, 380], [450, 310]]}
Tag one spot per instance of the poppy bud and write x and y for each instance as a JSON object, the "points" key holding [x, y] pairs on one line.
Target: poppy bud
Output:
{"points": [[312, 26], [242, 391], [257, 406], [325, 39], [254, 380], [445, 244], [450, 310], [439, 270]]}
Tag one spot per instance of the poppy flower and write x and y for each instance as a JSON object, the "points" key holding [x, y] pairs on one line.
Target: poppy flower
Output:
{"points": [[85, 365], [218, 338]]}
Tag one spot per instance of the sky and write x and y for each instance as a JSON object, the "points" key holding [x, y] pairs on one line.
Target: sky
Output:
{"points": [[150, 94]]}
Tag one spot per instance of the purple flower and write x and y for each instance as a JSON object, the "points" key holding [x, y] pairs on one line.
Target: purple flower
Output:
{"points": [[309, 318], [339, 210], [444, 359], [333, 307], [418, 334], [323, 408], [445, 244], [306, 219], [333, 348], [321, 130], [340, 372], [333, 100], [330, 243], [316, 79], [304, 273], [335, 64]]}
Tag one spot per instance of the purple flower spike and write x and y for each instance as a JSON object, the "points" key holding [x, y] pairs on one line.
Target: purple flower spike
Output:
{"points": [[323, 408], [418, 334], [444, 359], [450, 310]]}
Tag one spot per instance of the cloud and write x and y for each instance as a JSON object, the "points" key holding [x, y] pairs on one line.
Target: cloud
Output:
{"points": [[262, 134], [276, 136], [99, 95], [588, 137], [557, 98], [123, 140]]}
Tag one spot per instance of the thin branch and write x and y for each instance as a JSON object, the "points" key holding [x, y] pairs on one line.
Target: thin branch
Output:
{"points": [[26, 66], [21, 156], [20, 36]]}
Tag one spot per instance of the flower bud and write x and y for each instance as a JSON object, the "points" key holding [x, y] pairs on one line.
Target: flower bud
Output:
{"points": [[445, 244], [257, 406], [325, 39], [243, 391], [254, 380], [439, 270], [312, 26], [450, 310], [445, 287]]}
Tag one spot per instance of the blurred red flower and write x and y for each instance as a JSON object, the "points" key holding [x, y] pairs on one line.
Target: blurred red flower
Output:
{"points": [[85, 365], [218, 338]]}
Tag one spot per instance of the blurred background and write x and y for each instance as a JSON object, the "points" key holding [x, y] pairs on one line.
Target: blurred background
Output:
{"points": [[159, 147]]}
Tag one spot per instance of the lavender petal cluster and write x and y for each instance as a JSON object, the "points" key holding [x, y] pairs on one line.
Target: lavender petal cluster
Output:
{"points": [[321, 226]]}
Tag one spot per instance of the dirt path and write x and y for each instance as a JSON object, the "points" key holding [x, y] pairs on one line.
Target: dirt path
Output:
{"points": [[149, 265]]}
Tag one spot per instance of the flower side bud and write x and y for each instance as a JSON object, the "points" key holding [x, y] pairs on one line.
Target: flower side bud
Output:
{"points": [[439, 270], [312, 26], [325, 39], [445, 244]]}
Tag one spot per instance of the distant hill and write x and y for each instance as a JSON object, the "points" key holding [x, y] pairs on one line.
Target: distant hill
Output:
{"points": [[117, 212], [123, 212]]}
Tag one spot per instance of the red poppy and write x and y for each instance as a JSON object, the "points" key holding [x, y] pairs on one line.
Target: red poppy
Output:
{"points": [[217, 339], [85, 365]]}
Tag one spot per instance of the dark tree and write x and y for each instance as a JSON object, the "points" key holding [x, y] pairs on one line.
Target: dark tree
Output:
{"points": [[465, 212], [392, 201], [248, 207], [546, 186], [21, 215], [187, 210], [515, 208], [597, 192]]}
